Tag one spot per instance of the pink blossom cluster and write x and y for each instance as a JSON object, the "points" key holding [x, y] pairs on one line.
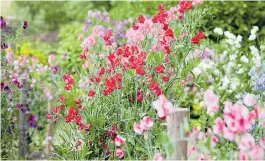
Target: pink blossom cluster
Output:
{"points": [[235, 124]]}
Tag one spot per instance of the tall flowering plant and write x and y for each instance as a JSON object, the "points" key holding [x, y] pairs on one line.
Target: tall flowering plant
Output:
{"points": [[112, 116]]}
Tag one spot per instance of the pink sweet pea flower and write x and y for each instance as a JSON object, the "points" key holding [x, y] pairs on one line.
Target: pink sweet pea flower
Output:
{"points": [[219, 125], [249, 100], [262, 142], [236, 117], [256, 153], [211, 101], [119, 153], [137, 128], [119, 140], [196, 2], [158, 157], [163, 106], [85, 65], [243, 156], [246, 142], [229, 134], [147, 123]]}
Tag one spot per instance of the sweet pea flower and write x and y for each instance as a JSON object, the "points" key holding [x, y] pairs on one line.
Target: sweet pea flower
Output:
{"points": [[256, 153], [119, 153], [246, 142], [147, 123], [158, 157], [137, 128], [119, 140], [162, 106], [219, 125], [243, 156], [211, 101], [262, 142], [249, 100]]}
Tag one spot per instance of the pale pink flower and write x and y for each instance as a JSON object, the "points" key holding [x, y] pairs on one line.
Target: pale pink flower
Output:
{"points": [[119, 140], [137, 128], [249, 100], [147, 122], [80, 36], [183, 34], [246, 142], [228, 134], [85, 65], [219, 125], [163, 106], [211, 101], [88, 42], [243, 156], [51, 59], [158, 157], [262, 142], [256, 153], [119, 153], [202, 157], [196, 2], [9, 57], [101, 56]]}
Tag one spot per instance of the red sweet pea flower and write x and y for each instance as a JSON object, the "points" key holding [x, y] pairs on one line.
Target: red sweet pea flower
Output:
{"points": [[107, 36], [119, 51], [118, 77], [72, 111], [200, 35], [140, 71], [91, 93], [194, 40], [141, 19], [67, 87], [166, 49], [101, 71], [169, 33], [98, 79], [161, 7], [158, 92], [55, 109], [135, 27], [48, 116], [61, 98], [153, 86], [165, 78], [77, 101], [159, 69]]}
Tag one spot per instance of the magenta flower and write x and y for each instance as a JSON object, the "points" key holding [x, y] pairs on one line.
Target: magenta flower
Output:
{"points": [[119, 153]]}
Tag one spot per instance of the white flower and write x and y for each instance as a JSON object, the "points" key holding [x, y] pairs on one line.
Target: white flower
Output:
{"points": [[239, 38], [244, 59], [254, 30], [262, 47], [252, 37], [218, 31]]}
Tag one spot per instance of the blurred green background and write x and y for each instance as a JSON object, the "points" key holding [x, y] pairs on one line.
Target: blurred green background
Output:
{"points": [[53, 24]]}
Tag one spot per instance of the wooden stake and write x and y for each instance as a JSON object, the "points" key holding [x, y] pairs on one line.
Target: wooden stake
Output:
{"points": [[23, 127], [176, 132]]}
